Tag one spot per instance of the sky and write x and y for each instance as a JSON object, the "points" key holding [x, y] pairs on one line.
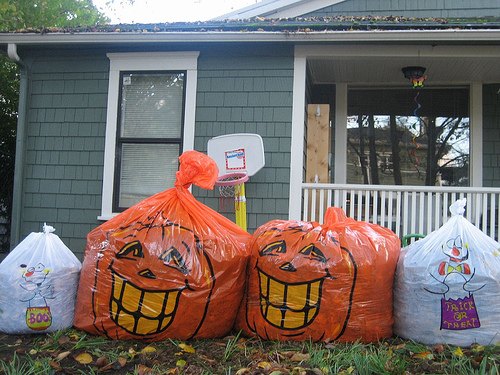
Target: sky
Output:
{"points": [[156, 11]]}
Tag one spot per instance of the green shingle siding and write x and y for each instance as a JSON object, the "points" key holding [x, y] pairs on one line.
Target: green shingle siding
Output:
{"points": [[412, 8], [65, 147], [253, 95]]}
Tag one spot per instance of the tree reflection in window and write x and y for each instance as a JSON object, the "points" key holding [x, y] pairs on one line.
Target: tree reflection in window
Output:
{"points": [[389, 145]]}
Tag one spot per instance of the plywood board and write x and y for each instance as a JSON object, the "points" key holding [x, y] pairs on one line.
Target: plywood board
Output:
{"points": [[318, 143]]}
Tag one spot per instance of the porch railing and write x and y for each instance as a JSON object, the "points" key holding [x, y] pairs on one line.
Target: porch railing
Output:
{"points": [[403, 209]]}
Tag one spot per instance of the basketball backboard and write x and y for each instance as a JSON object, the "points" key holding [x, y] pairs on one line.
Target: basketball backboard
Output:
{"points": [[238, 152]]}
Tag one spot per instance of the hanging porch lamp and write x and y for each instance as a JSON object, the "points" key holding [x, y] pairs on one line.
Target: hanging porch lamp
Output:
{"points": [[415, 74]]}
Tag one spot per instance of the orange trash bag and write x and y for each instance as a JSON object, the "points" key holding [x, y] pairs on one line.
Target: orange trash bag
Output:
{"points": [[327, 282], [168, 267]]}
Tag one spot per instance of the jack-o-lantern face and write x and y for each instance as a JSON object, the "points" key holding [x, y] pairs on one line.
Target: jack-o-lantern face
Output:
{"points": [[290, 305], [158, 276], [300, 283]]}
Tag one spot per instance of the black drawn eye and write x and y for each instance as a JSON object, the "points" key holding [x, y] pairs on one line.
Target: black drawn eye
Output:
{"points": [[313, 253], [147, 273], [274, 249], [172, 258], [131, 251]]}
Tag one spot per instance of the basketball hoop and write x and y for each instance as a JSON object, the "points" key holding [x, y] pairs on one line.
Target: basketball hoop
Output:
{"points": [[230, 185], [238, 156]]}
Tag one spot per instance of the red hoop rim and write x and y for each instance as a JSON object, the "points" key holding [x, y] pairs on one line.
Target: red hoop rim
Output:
{"points": [[239, 178]]}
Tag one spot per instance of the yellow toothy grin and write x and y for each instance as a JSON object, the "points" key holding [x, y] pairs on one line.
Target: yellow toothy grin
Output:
{"points": [[289, 306], [139, 311]]}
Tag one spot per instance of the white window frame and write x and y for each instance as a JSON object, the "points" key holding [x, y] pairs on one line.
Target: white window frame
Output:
{"points": [[159, 61]]}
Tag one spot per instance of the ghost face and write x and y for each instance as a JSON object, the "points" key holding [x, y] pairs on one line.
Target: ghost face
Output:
{"points": [[152, 282], [34, 276], [300, 283]]}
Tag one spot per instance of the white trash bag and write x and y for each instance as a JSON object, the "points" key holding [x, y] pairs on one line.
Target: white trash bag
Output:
{"points": [[447, 286], [38, 284]]}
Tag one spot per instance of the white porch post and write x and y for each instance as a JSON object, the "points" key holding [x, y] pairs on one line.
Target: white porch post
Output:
{"points": [[476, 134], [297, 144], [340, 172]]}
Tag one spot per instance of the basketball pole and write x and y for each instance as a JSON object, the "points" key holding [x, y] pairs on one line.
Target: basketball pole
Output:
{"points": [[240, 207]]}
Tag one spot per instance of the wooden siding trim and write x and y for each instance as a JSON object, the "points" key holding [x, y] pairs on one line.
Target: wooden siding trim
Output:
{"points": [[298, 131]]}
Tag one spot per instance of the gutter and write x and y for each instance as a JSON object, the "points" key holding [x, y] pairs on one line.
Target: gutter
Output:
{"points": [[12, 53], [15, 234], [458, 36]]}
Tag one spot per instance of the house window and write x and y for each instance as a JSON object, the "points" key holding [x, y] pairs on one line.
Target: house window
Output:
{"points": [[408, 137], [150, 122], [149, 138]]}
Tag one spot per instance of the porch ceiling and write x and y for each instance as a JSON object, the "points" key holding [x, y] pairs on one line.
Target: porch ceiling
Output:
{"points": [[444, 65]]}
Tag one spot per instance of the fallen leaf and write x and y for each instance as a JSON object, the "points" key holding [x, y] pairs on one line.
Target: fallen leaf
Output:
{"points": [[299, 357], [243, 371], [144, 370], [478, 348], [297, 371], [101, 361], [206, 359], [458, 352], [132, 353], [439, 348], [424, 355], [148, 349], [63, 339], [186, 348], [109, 366], [122, 361], [56, 366], [180, 363], [264, 365], [83, 358], [33, 351], [62, 355], [476, 361]]}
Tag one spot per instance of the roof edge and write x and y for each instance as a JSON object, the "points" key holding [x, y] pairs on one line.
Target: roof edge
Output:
{"points": [[277, 9], [404, 36]]}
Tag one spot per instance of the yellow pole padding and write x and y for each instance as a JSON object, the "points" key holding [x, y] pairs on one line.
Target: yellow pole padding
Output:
{"points": [[240, 207]]}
